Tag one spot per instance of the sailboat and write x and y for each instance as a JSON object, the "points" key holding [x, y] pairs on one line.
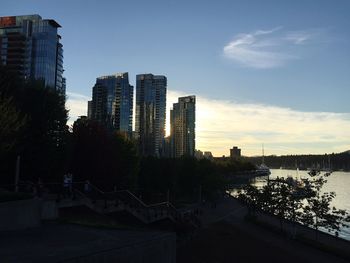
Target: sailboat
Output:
{"points": [[328, 170], [263, 169]]}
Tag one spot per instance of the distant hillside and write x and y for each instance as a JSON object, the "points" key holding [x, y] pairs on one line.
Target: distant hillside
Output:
{"points": [[336, 161]]}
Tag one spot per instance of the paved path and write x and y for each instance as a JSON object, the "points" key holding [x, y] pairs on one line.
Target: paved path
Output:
{"points": [[226, 237], [63, 242]]}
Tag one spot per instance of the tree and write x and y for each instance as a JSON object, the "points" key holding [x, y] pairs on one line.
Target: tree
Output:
{"points": [[34, 118], [12, 120], [308, 204], [44, 144], [106, 159], [318, 213], [251, 196], [11, 123], [185, 178]]}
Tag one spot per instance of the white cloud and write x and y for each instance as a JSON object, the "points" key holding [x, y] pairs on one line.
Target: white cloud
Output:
{"points": [[221, 124], [266, 32], [302, 37], [77, 106], [266, 48]]}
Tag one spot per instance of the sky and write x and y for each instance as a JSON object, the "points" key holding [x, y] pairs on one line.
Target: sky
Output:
{"points": [[264, 72]]}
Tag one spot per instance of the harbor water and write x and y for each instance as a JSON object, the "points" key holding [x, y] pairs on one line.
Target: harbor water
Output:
{"points": [[338, 182]]}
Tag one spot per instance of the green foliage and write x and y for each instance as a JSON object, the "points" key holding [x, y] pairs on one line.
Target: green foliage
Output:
{"points": [[11, 123], [229, 166], [308, 205], [251, 196], [337, 161], [38, 128], [185, 178], [105, 159], [317, 212], [44, 144], [11, 118]]}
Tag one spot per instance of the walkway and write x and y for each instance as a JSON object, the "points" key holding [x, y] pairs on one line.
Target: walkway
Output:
{"points": [[73, 243], [226, 237]]}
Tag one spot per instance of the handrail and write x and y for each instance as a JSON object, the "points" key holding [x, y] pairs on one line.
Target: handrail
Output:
{"points": [[96, 188], [112, 195]]}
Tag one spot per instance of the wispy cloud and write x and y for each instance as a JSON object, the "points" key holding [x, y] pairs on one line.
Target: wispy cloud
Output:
{"points": [[264, 49], [221, 124], [298, 37]]}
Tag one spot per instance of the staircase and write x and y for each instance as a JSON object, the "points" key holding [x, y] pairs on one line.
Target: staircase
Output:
{"points": [[106, 202], [124, 200]]}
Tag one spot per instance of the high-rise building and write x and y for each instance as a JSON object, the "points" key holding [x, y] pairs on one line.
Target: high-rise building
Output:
{"points": [[99, 104], [113, 102], [150, 113], [235, 152], [89, 109], [30, 46], [182, 125], [63, 89]]}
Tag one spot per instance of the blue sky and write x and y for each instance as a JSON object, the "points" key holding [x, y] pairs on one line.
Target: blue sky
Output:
{"points": [[281, 55]]}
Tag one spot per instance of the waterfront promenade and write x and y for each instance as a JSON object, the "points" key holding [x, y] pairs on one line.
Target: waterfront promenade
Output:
{"points": [[227, 237], [57, 242]]}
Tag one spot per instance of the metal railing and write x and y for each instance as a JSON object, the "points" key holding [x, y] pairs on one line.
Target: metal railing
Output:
{"points": [[97, 198]]}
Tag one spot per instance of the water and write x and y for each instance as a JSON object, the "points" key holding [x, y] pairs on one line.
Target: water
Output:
{"points": [[338, 182]]}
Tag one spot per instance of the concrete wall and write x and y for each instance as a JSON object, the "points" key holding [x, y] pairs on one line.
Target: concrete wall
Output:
{"points": [[49, 210], [337, 245], [159, 250], [20, 214]]}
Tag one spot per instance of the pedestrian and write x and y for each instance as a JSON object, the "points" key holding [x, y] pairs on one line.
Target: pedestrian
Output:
{"points": [[70, 185], [87, 188], [39, 187], [65, 186]]}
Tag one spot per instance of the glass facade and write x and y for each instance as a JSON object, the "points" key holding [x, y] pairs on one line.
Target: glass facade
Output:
{"points": [[99, 103], [31, 46], [150, 112], [119, 101], [182, 123]]}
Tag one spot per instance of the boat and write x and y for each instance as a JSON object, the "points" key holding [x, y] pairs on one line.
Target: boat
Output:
{"points": [[262, 169]]}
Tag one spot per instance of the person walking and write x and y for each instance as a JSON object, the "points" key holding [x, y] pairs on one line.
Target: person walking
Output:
{"points": [[87, 188], [70, 186], [39, 187], [65, 186]]}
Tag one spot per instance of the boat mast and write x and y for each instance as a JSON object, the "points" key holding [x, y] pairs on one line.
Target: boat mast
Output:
{"points": [[263, 155]]}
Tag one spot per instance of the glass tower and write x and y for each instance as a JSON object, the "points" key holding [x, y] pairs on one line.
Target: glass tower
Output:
{"points": [[150, 113], [182, 125], [117, 96], [31, 47], [99, 104]]}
